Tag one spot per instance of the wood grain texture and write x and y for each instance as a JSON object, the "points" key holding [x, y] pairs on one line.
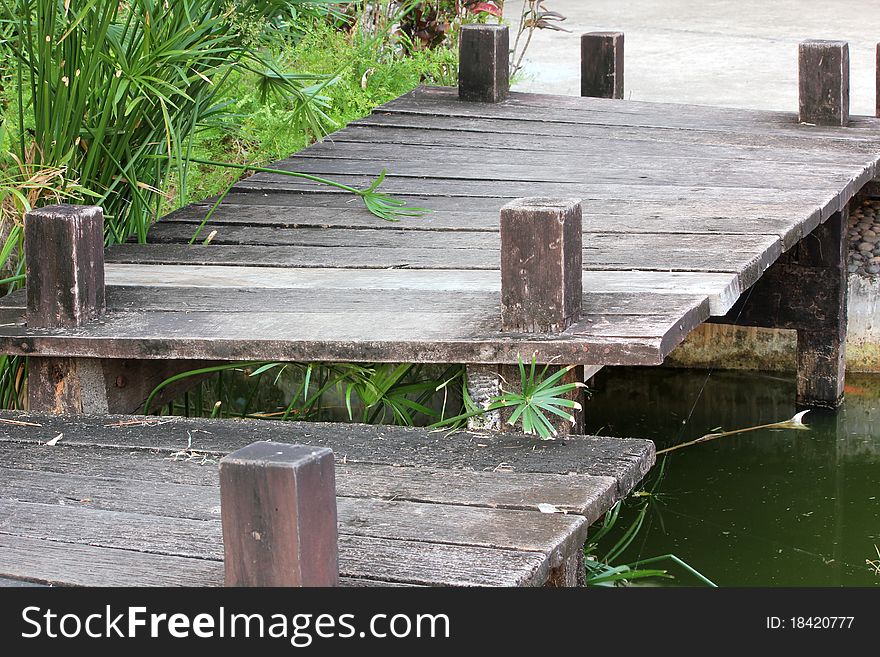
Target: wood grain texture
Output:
{"points": [[541, 264], [159, 484], [626, 460], [676, 201]]}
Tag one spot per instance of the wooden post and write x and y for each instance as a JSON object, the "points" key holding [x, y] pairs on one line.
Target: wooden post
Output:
{"points": [[823, 81], [64, 260], [484, 69], [541, 264], [877, 88], [278, 508], [64, 257], [806, 290], [602, 64], [821, 362]]}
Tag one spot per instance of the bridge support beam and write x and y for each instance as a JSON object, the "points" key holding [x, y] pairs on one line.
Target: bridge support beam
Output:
{"points": [[806, 290]]}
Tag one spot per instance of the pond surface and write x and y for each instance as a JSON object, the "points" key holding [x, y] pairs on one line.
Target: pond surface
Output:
{"points": [[765, 508]]}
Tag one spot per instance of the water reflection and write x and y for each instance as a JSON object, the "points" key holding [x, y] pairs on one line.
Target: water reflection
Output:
{"points": [[787, 508]]}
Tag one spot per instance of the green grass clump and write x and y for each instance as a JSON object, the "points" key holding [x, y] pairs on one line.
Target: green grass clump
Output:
{"points": [[361, 72]]}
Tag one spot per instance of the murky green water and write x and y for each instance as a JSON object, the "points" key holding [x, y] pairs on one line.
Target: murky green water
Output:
{"points": [[767, 508]]}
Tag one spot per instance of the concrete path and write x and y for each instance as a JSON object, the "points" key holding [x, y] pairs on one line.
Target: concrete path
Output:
{"points": [[707, 52]]}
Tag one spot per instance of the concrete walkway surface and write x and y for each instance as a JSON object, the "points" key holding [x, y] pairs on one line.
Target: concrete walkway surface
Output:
{"points": [[711, 52]]}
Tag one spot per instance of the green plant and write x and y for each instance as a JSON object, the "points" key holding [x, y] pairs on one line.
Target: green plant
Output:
{"points": [[536, 395], [533, 16], [796, 423], [385, 393], [115, 92], [601, 562]]}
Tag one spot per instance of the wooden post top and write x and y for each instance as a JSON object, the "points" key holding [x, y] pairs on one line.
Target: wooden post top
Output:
{"points": [[275, 455], [278, 508], [541, 264]]}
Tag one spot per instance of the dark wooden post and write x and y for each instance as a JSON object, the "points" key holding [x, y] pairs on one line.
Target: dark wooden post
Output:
{"points": [[484, 69], [541, 264], [806, 290], [64, 259], [278, 508], [541, 273], [64, 256], [821, 361], [602, 64], [823, 82]]}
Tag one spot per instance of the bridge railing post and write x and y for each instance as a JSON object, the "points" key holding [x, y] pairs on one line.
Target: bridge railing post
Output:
{"points": [[541, 264], [823, 82], [602, 64], [541, 288], [484, 67], [64, 261], [278, 509]]}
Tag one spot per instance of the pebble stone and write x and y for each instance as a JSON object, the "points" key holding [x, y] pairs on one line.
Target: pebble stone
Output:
{"points": [[863, 230]]}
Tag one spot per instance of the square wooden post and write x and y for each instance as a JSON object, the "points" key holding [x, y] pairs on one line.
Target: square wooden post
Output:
{"points": [[541, 264], [484, 68], [602, 64], [278, 508], [821, 347], [877, 87], [64, 260], [823, 82]]}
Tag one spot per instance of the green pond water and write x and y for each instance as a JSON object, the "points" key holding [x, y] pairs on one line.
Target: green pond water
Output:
{"points": [[765, 508]]}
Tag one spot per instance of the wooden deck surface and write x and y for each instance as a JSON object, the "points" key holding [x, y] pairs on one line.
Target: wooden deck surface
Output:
{"points": [[127, 501], [684, 209]]}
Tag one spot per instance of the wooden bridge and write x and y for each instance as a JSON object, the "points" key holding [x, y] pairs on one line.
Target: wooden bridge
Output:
{"points": [[590, 231]]}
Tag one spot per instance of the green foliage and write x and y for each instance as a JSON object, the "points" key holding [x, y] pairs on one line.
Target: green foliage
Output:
{"points": [[355, 73], [605, 547], [131, 105], [403, 394], [536, 395]]}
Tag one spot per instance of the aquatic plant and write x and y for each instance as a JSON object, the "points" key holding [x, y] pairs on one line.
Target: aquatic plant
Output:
{"points": [[795, 422]]}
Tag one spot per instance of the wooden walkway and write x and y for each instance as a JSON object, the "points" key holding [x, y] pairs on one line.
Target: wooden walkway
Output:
{"points": [[684, 209], [119, 501]]}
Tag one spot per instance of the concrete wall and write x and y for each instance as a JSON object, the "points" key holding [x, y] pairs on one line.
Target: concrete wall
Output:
{"points": [[735, 347]]}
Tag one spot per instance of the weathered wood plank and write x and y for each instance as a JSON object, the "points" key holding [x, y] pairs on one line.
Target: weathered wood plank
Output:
{"points": [[745, 255], [416, 562], [414, 337], [359, 515], [627, 460], [158, 484], [854, 142], [309, 300], [69, 564], [39, 562], [356, 140], [518, 166], [827, 199], [789, 222]]}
